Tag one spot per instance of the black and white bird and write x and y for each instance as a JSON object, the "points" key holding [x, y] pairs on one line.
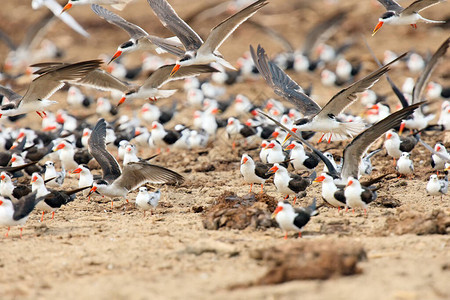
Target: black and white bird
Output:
{"points": [[358, 197], [117, 182], [395, 144], [42, 87], [139, 38], [16, 213], [293, 219], [437, 161], [330, 192], [301, 159], [316, 118], [397, 15], [365, 166], [254, 172], [196, 51], [147, 201], [436, 186], [86, 177]]}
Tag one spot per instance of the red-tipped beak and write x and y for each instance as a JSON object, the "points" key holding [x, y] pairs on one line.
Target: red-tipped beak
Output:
{"points": [[377, 27], [277, 210], [375, 107], [60, 146], [244, 160], [3, 177], [402, 127], [122, 100], [254, 112], [350, 182], [86, 133], [67, 7], [248, 123], [175, 69], [230, 122], [319, 179], [269, 105], [144, 109], [388, 136], [1, 202], [59, 119], [116, 55], [13, 159], [215, 111], [92, 190], [34, 179], [271, 145], [13, 146], [76, 171], [263, 145], [154, 126], [290, 147], [438, 148], [275, 134], [137, 132], [21, 135]]}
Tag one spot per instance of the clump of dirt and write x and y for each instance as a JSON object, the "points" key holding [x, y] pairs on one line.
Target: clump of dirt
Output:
{"points": [[410, 221], [309, 260], [235, 212], [388, 202]]}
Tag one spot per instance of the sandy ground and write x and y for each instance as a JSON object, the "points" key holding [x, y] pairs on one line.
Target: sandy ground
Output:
{"points": [[90, 251]]}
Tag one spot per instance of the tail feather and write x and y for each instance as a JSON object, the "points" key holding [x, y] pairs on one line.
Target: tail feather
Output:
{"points": [[430, 21]]}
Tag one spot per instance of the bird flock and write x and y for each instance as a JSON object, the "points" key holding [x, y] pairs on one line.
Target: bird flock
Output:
{"points": [[283, 135]]}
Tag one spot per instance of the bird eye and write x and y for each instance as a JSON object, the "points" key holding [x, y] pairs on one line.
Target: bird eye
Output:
{"points": [[127, 44]]}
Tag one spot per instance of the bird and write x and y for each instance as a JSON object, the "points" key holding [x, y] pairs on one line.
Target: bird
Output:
{"points": [[437, 162], [147, 201], [405, 165], [197, 51], [275, 153], [330, 192], [436, 186], [293, 219], [254, 172], [316, 118], [42, 87], [287, 183], [16, 213], [50, 172], [365, 167], [116, 182], [139, 38], [301, 159], [86, 177], [150, 87], [357, 196], [7, 188], [395, 145], [397, 15]]}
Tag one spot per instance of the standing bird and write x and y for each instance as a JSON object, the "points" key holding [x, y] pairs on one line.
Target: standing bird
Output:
{"points": [[436, 187], [289, 184], [301, 159], [332, 194], [16, 213], [405, 165], [254, 172], [357, 196], [42, 87], [146, 200], [197, 51], [86, 177], [118, 183], [395, 144], [293, 219], [397, 15], [50, 172], [365, 166], [437, 162]]}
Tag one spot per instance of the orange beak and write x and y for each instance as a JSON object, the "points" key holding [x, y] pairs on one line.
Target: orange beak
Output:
{"points": [[290, 147], [388, 136], [288, 136], [175, 69], [122, 100], [275, 134], [272, 170], [350, 182], [116, 55], [34, 179], [67, 7], [76, 171], [59, 147], [319, 179], [92, 190], [13, 146], [144, 109], [402, 127], [1, 202], [279, 208], [49, 128], [13, 159], [270, 146], [137, 132], [21, 135], [244, 160], [377, 27], [3, 177], [154, 126], [86, 133], [438, 148]]}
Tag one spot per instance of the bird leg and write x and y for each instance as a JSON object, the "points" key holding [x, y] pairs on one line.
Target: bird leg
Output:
{"points": [[53, 214], [21, 229], [42, 218], [339, 209], [329, 139], [6, 235], [346, 209], [112, 203], [144, 214], [262, 188], [300, 234], [295, 199], [251, 185], [40, 115], [395, 161], [287, 196], [285, 235], [353, 211], [233, 145], [365, 212], [414, 26], [127, 200], [321, 138]]}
